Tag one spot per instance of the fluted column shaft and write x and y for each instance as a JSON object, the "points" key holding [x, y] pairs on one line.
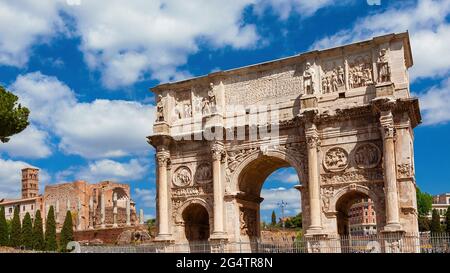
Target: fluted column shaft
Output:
{"points": [[163, 198], [217, 151], [390, 178], [313, 143]]}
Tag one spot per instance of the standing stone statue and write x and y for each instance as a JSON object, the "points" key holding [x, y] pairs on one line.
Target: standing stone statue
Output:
{"points": [[383, 67], [308, 79], [160, 108]]}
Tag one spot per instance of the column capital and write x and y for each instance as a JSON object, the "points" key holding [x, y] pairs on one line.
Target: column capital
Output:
{"points": [[217, 150], [312, 136], [387, 124], [163, 158]]}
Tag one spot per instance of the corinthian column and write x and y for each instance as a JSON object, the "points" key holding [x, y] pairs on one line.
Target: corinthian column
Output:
{"points": [[162, 158], [217, 151], [313, 142], [390, 179]]}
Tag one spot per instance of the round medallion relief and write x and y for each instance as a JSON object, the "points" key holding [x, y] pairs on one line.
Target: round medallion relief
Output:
{"points": [[367, 155], [203, 173], [336, 159], [182, 177]]}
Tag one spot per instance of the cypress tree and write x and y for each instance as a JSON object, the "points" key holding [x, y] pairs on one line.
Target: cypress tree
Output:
{"points": [[66, 232], [274, 218], [435, 222], [50, 231], [38, 232], [447, 220], [4, 232], [27, 232], [16, 229]]}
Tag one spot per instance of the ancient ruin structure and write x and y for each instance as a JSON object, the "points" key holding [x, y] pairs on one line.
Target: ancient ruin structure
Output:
{"points": [[342, 117], [93, 206]]}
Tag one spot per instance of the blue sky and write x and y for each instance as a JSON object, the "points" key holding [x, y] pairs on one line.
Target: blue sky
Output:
{"points": [[84, 69]]}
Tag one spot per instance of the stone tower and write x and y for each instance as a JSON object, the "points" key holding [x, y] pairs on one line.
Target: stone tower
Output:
{"points": [[30, 182]]}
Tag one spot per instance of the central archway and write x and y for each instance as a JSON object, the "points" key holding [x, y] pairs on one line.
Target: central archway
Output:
{"points": [[252, 176]]}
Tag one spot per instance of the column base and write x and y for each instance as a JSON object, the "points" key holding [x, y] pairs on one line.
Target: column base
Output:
{"points": [[315, 231], [167, 238], [114, 225], [218, 236], [395, 227]]}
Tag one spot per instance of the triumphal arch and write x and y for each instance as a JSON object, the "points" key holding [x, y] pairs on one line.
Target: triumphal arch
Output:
{"points": [[342, 117]]}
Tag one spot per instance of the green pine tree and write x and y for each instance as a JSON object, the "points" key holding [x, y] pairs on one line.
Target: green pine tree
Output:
{"points": [[435, 222], [38, 232], [66, 232], [13, 117], [274, 218], [27, 232], [16, 229], [4, 232], [50, 231], [447, 220]]}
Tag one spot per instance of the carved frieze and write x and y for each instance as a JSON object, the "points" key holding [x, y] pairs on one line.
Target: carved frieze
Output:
{"points": [[192, 191], [404, 170], [333, 77], [352, 176], [327, 194], [237, 156], [367, 156], [336, 159], [360, 71], [182, 176], [203, 174], [248, 221], [263, 85]]}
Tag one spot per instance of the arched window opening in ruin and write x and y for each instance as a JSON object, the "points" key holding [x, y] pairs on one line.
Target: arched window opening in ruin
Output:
{"points": [[267, 184]]}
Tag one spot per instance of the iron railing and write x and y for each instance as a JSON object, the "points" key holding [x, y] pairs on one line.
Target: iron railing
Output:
{"points": [[380, 243]]}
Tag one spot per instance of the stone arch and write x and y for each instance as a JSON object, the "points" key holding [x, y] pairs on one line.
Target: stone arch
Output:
{"points": [[343, 197], [196, 218], [284, 160], [195, 200]]}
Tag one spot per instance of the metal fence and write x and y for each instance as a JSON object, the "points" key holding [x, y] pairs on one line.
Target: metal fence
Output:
{"points": [[380, 243]]}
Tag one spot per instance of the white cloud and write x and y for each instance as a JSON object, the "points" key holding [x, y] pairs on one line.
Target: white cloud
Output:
{"points": [[428, 27], [99, 129], [127, 41], [273, 196], [435, 104], [105, 128], [11, 178], [139, 39], [30, 143], [146, 197], [106, 169], [284, 8], [24, 23]]}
